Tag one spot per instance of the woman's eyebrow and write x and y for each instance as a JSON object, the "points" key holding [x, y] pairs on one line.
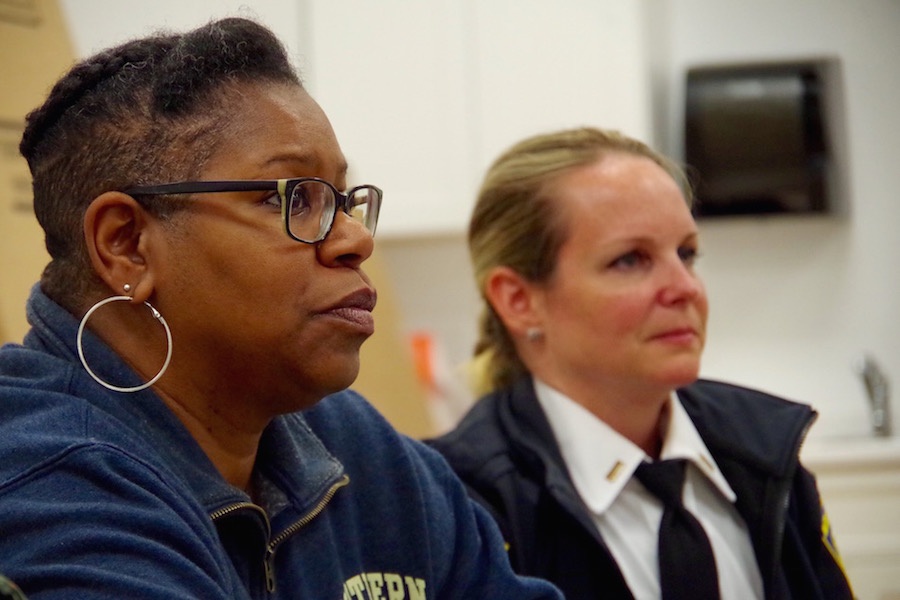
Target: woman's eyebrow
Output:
{"points": [[307, 158]]}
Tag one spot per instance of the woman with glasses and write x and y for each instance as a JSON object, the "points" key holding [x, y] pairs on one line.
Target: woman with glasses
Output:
{"points": [[165, 426], [612, 471]]}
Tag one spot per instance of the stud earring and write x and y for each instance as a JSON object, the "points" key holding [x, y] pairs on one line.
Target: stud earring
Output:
{"points": [[127, 287], [534, 334]]}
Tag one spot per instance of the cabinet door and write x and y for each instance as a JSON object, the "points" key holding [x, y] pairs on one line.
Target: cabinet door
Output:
{"points": [[423, 95], [392, 76], [550, 65]]}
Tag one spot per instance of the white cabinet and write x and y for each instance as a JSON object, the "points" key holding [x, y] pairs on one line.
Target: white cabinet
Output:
{"points": [[859, 480], [423, 95]]}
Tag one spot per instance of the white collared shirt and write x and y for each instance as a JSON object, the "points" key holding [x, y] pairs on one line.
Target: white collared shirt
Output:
{"points": [[602, 462]]}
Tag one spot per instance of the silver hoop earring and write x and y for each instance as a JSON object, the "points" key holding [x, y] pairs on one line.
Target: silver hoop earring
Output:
{"points": [[534, 334], [116, 388]]}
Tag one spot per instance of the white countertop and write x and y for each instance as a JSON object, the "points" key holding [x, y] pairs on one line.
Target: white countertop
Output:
{"points": [[850, 451]]}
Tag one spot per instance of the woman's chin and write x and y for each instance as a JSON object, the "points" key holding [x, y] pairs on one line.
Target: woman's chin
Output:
{"points": [[681, 375]]}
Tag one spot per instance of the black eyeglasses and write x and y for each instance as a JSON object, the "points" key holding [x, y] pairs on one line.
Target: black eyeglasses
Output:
{"points": [[308, 204]]}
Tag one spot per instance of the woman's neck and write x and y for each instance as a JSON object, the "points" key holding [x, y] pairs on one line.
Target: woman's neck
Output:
{"points": [[231, 448], [638, 413]]}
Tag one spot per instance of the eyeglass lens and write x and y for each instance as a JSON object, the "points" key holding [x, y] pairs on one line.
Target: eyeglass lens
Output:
{"points": [[312, 209]]}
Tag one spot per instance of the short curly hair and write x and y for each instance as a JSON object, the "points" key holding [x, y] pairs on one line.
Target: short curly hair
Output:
{"points": [[147, 111]]}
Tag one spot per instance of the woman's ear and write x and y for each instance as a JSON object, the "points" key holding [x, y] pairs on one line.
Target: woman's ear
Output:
{"points": [[513, 298], [116, 234]]}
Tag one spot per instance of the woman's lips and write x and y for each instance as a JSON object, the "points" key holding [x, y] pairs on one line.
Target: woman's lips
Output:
{"points": [[359, 316], [356, 308], [677, 336]]}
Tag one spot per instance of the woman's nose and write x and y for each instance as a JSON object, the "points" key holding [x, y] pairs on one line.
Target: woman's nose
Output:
{"points": [[681, 283], [348, 243]]}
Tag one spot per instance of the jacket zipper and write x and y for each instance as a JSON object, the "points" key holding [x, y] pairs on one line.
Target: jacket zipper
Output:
{"points": [[269, 562], [270, 580], [240, 506], [786, 496]]}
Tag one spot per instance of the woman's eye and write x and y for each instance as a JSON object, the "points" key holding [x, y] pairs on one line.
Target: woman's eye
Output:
{"points": [[688, 255], [300, 202], [273, 200], [630, 260]]}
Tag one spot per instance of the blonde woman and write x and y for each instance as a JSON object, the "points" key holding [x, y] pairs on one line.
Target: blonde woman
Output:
{"points": [[583, 246]]}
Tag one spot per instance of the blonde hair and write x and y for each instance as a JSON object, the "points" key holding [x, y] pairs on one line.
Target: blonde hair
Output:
{"points": [[515, 224]]}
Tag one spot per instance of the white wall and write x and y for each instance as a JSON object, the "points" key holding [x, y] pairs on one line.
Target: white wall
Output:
{"points": [[98, 24], [794, 300]]}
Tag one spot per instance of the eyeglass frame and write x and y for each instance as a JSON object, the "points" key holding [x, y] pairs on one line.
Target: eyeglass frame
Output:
{"points": [[341, 200]]}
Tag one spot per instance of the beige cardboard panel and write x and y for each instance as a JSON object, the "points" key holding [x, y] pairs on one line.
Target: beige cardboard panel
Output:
{"points": [[387, 374], [22, 254], [34, 50]]}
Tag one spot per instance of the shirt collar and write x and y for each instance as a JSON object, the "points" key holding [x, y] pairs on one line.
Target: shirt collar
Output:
{"points": [[683, 441], [601, 461]]}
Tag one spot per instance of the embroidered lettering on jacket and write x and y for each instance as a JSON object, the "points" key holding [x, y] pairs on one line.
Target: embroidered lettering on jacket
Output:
{"points": [[384, 586]]}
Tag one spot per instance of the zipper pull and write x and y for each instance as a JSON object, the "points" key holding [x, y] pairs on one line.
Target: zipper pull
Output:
{"points": [[269, 567]]}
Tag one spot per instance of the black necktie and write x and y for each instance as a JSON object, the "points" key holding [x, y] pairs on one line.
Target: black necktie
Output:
{"points": [[687, 567]]}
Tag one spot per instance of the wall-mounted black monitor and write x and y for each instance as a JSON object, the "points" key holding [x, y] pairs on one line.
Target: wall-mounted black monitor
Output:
{"points": [[757, 138]]}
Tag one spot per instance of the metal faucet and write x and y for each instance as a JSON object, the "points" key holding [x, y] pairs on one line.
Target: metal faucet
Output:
{"points": [[878, 391]]}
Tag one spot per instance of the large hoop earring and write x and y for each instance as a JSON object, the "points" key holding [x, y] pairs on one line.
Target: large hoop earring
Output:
{"points": [[105, 384]]}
